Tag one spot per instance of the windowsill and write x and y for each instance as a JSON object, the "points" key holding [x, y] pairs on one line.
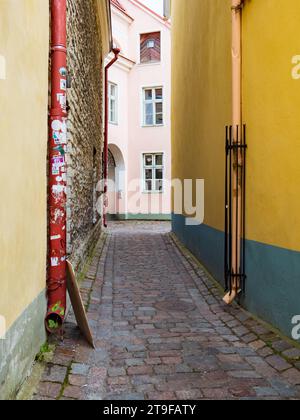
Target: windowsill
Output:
{"points": [[153, 192], [155, 63], [152, 126], [113, 123]]}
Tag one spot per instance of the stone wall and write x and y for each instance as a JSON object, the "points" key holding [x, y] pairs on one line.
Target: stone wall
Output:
{"points": [[85, 138]]}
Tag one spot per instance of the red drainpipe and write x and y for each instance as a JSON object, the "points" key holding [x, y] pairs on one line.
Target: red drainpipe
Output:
{"points": [[56, 283], [116, 51]]}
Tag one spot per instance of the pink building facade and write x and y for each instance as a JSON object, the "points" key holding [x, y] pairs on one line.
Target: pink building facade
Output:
{"points": [[139, 114]]}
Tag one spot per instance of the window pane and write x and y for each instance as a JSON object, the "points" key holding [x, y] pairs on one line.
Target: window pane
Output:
{"points": [[149, 174], [149, 119], [151, 43], [148, 160], [148, 94], [159, 160], [159, 119], [158, 174], [113, 90], [159, 93], [159, 108], [158, 185], [148, 185]]}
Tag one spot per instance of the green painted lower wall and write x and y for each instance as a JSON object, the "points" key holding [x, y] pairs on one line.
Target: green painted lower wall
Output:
{"points": [[21, 345], [273, 282], [146, 217]]}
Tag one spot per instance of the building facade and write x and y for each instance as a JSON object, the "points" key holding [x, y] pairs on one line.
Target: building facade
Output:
{"points": [[24, 103], [202, 108], [139, 114]]}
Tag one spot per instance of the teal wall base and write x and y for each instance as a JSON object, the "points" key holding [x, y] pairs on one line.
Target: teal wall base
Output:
{"points": [[22, 343], [273, 273], [141, 217]]}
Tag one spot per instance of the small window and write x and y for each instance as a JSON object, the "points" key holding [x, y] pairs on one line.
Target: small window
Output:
{"points": [[153, 172], [153, 107], [150, 46], [113, 103]]}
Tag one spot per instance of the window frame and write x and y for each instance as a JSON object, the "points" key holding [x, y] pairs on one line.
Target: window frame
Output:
{"points": [[114, 98], [154, 167], [149, 63], [154, 102]]}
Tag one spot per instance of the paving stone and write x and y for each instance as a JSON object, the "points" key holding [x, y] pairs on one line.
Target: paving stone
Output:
{"points": [[54, 373], [80, 369], [192, 394], [292, 353], [278, 363], [196, 348], [49, 389], [265, 392], [292, 376], [74, 392]]}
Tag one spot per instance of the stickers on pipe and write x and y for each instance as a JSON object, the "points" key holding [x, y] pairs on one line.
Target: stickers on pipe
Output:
{"points": [[63, 71], [56, 125], [63, 84], [54, 262]]}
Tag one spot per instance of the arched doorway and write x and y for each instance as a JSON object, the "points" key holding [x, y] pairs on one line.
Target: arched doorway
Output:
{"points": [[116, 182]]}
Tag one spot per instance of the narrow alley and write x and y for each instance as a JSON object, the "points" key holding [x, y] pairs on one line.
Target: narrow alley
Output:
{"points": [[162, 331]]}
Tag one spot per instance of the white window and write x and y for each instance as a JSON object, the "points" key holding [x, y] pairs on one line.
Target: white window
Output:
{"points": [[113, 103], [153, 106], [153, 172]]}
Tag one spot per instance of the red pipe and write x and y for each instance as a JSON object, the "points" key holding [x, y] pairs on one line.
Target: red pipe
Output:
{"points": [[116, 51], [56, 283]]}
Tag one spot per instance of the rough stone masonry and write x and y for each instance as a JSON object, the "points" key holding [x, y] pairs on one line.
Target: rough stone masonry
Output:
{"points": [[85, 127]]}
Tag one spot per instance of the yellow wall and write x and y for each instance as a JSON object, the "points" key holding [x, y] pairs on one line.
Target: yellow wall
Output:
{"points": [[271, 104], [202, 97], [24, 42]]}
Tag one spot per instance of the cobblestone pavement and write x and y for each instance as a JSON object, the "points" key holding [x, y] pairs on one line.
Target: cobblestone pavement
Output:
{"points": [[162, 331]]}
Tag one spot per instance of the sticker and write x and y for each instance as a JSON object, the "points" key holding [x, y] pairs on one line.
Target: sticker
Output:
{"points": [[63, 259], [55, 170], [56, 135], [63, 138], [63, 127], [56, 125], [63, 71], [63, 84], [55, 238], [60, 149], [58, 189], [59, 179], [58, 160], [54, 262], [61, 98]]}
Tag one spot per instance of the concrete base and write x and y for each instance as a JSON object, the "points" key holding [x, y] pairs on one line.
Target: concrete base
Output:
{"points": [[23, 342]]}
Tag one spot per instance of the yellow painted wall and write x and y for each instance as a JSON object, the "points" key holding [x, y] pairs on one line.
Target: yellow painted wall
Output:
{"points": [[201, 105], [24, 43], [271, 104]]}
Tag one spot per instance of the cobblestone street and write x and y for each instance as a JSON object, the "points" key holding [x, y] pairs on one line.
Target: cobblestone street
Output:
{"points": [[162, 331]]}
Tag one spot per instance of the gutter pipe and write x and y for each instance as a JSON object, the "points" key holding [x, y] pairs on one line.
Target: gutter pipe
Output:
{"points": [[57, 274], [236, 12], [116, 52]]}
